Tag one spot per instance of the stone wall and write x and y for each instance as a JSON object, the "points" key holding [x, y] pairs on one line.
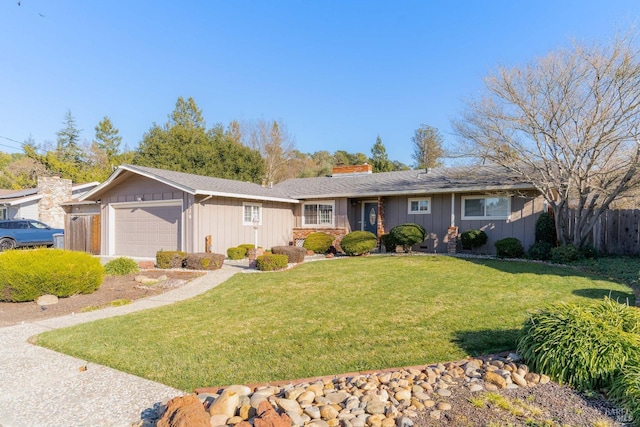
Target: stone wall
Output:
{"points": [[55, 191]]}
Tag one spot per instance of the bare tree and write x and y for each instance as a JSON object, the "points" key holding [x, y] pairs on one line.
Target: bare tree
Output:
{"points": [[275, 144], [569, 124], [427, 147]]}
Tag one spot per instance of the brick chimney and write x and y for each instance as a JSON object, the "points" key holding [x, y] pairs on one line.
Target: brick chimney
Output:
{"points": [[55, 191], [342, 170]]}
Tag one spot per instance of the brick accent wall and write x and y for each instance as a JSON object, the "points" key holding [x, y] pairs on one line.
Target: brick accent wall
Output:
{"points": [[452, 240], [337, 233]]}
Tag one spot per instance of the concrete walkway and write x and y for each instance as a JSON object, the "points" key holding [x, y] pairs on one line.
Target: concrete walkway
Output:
{"points": [[39, 387]]}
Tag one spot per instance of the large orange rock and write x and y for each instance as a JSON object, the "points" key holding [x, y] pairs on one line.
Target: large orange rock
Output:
{"points": [[185, 411], [268, 417]]}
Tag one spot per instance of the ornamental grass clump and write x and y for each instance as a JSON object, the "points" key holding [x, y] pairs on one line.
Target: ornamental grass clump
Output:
{"points": [[121, 266], [625, 389], [583, 345], [26, 275]]}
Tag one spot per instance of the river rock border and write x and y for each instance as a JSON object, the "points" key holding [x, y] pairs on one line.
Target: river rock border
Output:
{"points": [[384, 398]]}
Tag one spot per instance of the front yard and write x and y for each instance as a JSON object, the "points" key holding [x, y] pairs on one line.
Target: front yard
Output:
{"points": [[331, 317]]}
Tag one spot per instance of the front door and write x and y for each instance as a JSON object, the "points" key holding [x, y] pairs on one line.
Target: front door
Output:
{"points": [[370, 217]]}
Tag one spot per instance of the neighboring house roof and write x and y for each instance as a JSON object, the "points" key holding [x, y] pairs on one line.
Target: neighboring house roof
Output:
{"points": [[438, 180], [195, 184], [18, 197]]}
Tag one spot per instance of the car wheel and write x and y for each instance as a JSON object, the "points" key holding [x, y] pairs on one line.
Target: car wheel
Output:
{"points": [[6, 244]]}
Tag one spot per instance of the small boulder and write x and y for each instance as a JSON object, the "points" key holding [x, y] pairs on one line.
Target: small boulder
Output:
{"points": [[495, 379], [268, 417], [226, 404], [47, 300], [185, 411]]}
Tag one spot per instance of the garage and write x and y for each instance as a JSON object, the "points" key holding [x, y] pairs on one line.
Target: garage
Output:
{"points": [[141, 230]]}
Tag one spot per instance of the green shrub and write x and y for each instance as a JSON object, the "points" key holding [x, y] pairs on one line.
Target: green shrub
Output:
{"points": [[589, 252], [26, 275], [295, 254], [358, 243], [565, 254], [408, 235], [473, 239], [121, 266], [545, 229], [236, 253], [246, 247], [271, 262], [625, 389], [540, 251], [204, 261], [389, 242], [583, 345], [170, 259], [509, 247], [318, 242]]}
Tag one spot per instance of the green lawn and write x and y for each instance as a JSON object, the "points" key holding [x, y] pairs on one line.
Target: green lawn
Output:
{"points": [[331, 317]]}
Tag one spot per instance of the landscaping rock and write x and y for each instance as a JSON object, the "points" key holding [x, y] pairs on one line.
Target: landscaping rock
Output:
{"points": [[495, 379], [47, 300], [268, 417], [185, 411], [226, 404]]}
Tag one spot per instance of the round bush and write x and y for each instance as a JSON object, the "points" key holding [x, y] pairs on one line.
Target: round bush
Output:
{"points": [[408, 235], [389, 242], [545, 229], [318, 242], [271, 262], [236, 253], [246, 247], [583, 345], [540, 251], [358, 243], [565, 254], [121, 266], [473, 239], [26, 275], [509, 248]]}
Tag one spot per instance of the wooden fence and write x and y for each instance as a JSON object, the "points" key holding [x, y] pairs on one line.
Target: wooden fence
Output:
{"points": [[82, 233], [617, 232]]}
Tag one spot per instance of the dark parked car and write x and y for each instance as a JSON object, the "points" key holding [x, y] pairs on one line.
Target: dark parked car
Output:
{"points": [[25, 232]]}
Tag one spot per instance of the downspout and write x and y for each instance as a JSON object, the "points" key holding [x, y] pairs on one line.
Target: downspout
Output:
{"points": [[453, 209]]}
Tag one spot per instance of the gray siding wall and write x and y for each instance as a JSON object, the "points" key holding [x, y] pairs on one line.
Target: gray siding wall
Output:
{"points": [[525, 210], [221, 218], [136, 187], [26, 210]]}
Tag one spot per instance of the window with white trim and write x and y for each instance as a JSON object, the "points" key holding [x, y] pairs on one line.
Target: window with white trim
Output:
{"points": [[486, 207], [419, 205], [318, 213], [251, 211], [3, 213]]}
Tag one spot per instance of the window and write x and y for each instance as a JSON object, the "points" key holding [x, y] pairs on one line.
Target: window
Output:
{"points": [[251, 211], [320, 213], [483, 207], [420, 206]]}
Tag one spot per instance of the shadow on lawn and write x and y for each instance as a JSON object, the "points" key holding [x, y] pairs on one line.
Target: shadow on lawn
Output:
{"points": [[486, 341], [621, 297]]}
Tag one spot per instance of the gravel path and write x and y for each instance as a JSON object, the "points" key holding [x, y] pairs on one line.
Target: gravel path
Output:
{"points": [[39, 387]]}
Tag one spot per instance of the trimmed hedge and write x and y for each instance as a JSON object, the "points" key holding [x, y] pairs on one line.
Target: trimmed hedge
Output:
{"points": [[170, 259], [204, 261], [318, 242], [390, 244], [271, 262], [540, 250], [246, 247], [545, 229], [509, 247], [473, 239], [121, 266], [26, 275], [358, 243], [236, 253], [408, 235], [294, 254], [565, 254]]}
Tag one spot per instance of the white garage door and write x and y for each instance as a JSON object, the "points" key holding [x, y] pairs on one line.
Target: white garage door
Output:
{"points": [[142, 231]]}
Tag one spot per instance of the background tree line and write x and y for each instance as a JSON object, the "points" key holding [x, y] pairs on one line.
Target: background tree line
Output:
{"points": [[254, 151]]}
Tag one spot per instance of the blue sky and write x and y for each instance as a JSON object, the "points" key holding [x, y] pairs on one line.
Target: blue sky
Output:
{"points": [[337, 73]]}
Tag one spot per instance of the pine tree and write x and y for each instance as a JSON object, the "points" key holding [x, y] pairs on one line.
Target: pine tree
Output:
{"points": [[379, 159]]}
